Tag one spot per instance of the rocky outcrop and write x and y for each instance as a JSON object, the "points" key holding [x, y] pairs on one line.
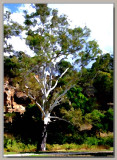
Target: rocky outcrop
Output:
{"points": [[14, 101]]}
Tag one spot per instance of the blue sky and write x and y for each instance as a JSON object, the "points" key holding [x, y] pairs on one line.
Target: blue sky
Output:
{"points": [[97, 17], [12, 6]]}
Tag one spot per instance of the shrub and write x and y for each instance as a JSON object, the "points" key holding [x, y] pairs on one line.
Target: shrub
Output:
{"points": [[106, 141], [91, 141], [11, 145], [49, 147]]}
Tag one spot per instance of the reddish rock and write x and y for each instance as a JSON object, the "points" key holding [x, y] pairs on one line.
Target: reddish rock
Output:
{"points": [[10, 104]]}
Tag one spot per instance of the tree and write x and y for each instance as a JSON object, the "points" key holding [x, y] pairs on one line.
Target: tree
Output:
{"points": [[52, 40], [104, 82], [11, 28]]}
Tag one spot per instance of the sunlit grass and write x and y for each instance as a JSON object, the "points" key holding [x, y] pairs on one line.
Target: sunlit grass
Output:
{"points": [[11, 146], [59, 148], [74, 147]]}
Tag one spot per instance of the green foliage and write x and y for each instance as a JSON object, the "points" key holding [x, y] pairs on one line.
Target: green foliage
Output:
{"points": [[10, 114], [110, 114], [77, 98], [11, 28], [73, 115], [91, 141], [12, 145], [11, 67], [79, 105], [97, 115], [54, 37], [103, 83], [63, 65], [101, 120], [95, 118], [108, 120], [90, 52], [104, 62], [106, 141]]}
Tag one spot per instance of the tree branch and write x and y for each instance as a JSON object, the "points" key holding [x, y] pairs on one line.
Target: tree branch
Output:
{"points": [[37, 79], [53, 117], [56, 102], [34, 99], [39, 83], [56, 82], [42, 111], [50, 78]]}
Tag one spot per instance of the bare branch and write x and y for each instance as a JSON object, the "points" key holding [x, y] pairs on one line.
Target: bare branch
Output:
{"points": [[50, 78], [53, 117], [57, 101], [42, 111], [64, 73], [34, 99], [39, 83], [56, 82], [37, 79], [31, 97]]}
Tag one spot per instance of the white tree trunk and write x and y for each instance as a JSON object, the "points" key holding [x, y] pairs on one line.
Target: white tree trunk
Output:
{"points": [[46, 89]]}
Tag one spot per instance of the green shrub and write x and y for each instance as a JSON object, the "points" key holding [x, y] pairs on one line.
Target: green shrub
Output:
{"points": [[11, 145], [91, 141], [106, 141]]}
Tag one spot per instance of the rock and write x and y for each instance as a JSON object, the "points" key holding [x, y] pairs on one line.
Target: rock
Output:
{"points": [[8, 96], [21, 98], [85, 127], [14, 101]]}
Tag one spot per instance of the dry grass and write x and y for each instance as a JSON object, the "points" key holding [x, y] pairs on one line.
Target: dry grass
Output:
{"points": [[75, 147]]}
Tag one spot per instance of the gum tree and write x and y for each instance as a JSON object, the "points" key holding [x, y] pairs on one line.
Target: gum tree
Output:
{"points": [[52, 40]]}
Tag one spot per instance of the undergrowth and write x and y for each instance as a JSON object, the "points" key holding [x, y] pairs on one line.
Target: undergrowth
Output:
{"points": [[91, 143]]}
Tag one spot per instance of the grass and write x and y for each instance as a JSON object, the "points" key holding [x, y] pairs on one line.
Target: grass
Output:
{"points": [[11, 146], [60, 148], [80, 148], [10, 152]]}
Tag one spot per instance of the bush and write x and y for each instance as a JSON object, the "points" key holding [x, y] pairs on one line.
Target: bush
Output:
{"points": [[91, 141], [106, 141], [71, 146], [49, 147], [11, 145]]}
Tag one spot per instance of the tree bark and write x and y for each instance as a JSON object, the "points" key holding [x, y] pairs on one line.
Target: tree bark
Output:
{"points": [[41, 146]]}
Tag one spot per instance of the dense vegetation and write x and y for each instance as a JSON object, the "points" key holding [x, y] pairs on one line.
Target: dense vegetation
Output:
{"points": [[84, 112]]}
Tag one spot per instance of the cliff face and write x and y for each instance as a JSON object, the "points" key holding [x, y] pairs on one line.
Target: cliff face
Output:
{"points": [[14, 101]]}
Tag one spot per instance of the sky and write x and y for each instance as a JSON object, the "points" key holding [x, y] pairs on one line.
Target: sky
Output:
{"points": [[97, 17]]}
